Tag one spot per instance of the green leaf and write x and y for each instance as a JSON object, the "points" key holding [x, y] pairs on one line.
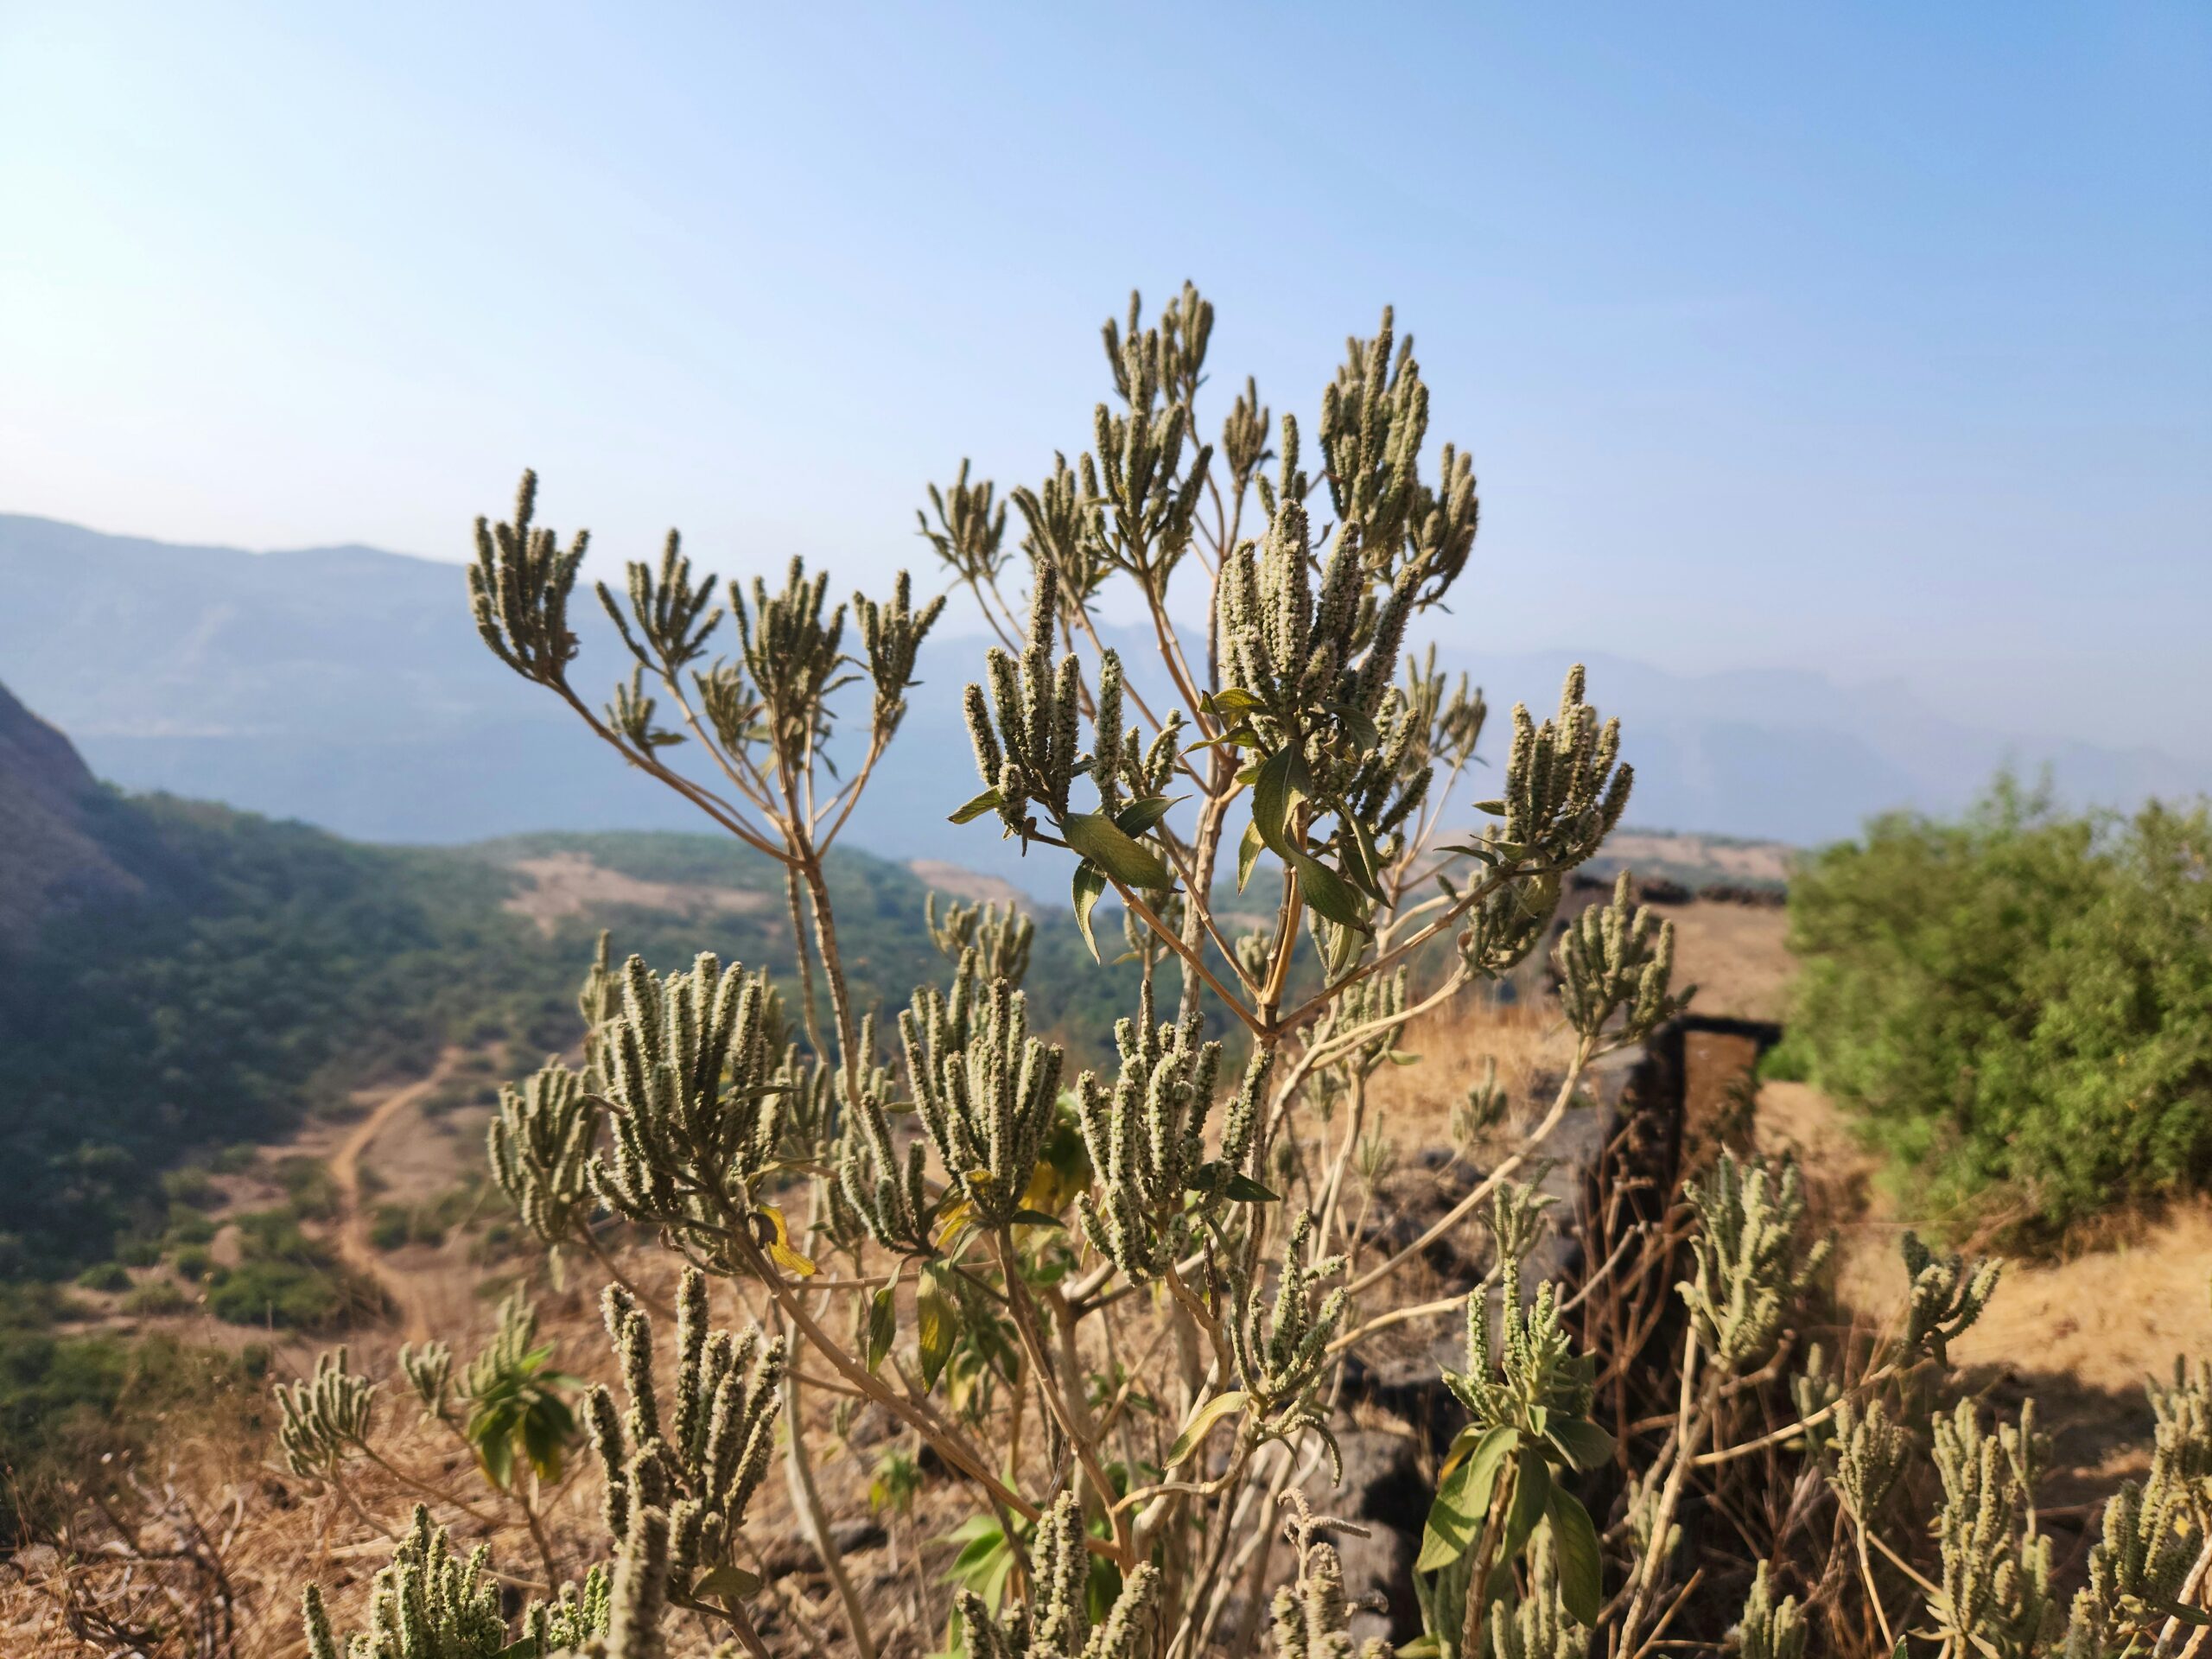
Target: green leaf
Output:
{"points": [[937, 1318], [1330, 895], [1455, 1519], [1275, 793], [1235, 700], [496, 1448], [1140, 816], [1356, 723], [1090, 886], [1104, 842], [1532, 1491], [1574, 1540], [1247, 854], [1236, 737], [1583, 1445], [1243, 1188], [730, 1583], [2176, 1610], [1495, 809], [1036, 1218], [975, 809], [1369, 872], [1202, 1419], [1422, 1647], [882, 1326]]}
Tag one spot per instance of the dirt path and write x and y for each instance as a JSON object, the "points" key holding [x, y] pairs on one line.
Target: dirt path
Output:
{"points": [[352, 1236]]}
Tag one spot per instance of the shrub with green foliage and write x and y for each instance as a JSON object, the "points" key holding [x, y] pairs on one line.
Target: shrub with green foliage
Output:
{"points": [[2018, 1004]]}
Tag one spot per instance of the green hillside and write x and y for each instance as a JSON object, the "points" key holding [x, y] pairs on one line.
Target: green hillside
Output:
{"points": [[263, 971]]}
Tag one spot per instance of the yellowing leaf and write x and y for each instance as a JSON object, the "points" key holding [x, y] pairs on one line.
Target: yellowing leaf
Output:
{"points": [[1201, 1420], [936, 1321], [951, 1219], [781, 1251]]}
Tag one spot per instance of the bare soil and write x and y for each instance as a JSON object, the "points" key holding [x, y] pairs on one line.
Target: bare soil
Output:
{"points": [[967, 884], [571, 884]]}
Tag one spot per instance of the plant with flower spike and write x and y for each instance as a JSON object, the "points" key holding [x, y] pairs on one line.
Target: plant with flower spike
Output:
{"points": [[986, 1090], [1749, 1267], [695, 1079], [1618, 956], [1055, 1622], [1312, 1615], [541, 1141], [1145, 1134], [1296, 706], [326, 1418], [697, 1466], [1995, 1593], [1001, 938], [1527, 1397], [1947, 1296], [1771, 1629], [428, 1604]]}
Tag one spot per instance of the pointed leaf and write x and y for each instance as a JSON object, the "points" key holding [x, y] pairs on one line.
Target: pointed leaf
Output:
{"points": [[975, 809], [882, 1326], [1106, 844], [1532, 1491], [1140, 816], [781, 1250], [1330, 895], [1275, 793], [1455, 1519], [1202, 1419], [1243, 1188], [1582, 1442], [1090, 884], [1370, 861], [1574, 1540], [937, 1321], [1247, 854], [730, 1583]]}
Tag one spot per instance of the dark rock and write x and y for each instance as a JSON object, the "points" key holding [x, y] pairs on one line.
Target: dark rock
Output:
{"points": [[1382, 1490], [792, 1554]]}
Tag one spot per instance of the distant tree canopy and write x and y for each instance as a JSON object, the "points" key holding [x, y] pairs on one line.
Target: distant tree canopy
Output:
{"points": [[2019, 1003]]}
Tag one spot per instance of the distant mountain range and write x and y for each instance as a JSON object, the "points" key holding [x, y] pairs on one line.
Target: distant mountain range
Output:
{"points": [[346, 687]]}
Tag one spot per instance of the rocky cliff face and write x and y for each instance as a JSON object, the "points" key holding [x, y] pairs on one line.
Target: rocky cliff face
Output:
{"points": [[52, 856]]}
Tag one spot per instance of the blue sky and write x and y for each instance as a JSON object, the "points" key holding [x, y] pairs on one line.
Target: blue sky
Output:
{"points": [[1873, 339]]}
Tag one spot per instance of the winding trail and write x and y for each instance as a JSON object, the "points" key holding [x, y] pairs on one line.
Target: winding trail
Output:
{"points": [[352, 1236]]}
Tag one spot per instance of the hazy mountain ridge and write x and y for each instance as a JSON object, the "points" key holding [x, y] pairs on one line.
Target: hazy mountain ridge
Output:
{"points": [[346, 687]]}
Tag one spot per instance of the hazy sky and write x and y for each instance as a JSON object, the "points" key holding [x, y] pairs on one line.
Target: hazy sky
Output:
{"points": [[1875, 339]]}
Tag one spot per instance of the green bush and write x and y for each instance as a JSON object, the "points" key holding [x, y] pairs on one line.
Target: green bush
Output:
{"points": [[286, 1295], [190, 1185], [393, 1227], [286, 1278], [188, 1227], [193, 1262], [106, 1275], [157, 1296], [2017, 1003]]}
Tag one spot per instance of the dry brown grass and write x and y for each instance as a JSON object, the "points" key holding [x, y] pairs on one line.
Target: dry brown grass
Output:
{"points": [[570, 884]]}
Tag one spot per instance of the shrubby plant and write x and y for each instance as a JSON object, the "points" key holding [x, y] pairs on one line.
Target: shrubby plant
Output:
{"points": [[927, 1214], [2015, 1002]]}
